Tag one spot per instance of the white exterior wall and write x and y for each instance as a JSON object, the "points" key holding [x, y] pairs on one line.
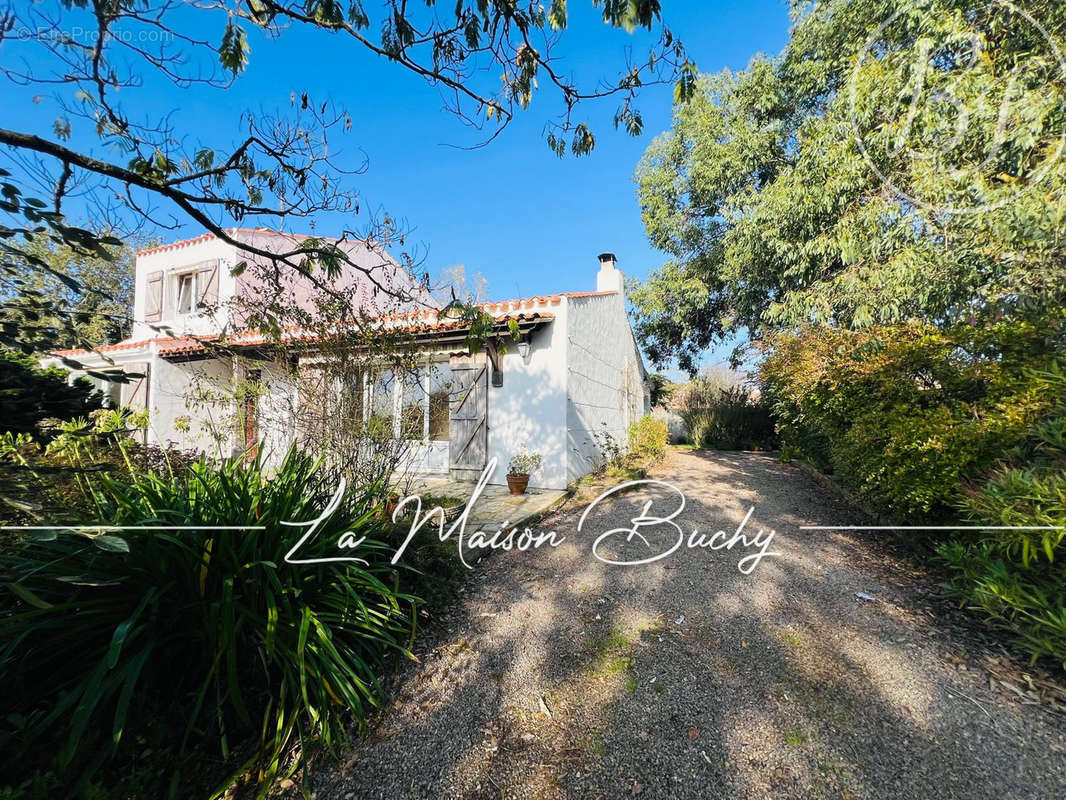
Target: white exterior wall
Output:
{"points": [[190, 405], [529, 410], [180, 258], [604, 378], [199, 396]]}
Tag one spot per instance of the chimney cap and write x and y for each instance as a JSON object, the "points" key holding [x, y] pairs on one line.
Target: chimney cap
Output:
{"points": [[605, 257]]}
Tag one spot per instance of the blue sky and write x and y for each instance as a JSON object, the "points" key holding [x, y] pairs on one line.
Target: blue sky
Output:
{"points": [[526, 220]]}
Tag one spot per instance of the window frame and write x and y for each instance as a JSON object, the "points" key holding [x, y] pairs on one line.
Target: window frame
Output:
{"points": [[193, 277], [396, 392], [444, 385]]}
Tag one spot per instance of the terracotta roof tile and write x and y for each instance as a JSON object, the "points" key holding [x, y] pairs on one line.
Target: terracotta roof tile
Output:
{"points": [[128, 344], [204, 237], [188, 345]]}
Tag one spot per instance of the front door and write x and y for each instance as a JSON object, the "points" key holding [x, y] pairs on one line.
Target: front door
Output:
{"points": [[468, 432]]}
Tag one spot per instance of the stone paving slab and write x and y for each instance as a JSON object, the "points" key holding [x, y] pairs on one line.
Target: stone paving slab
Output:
{"points": [[495, 506]]}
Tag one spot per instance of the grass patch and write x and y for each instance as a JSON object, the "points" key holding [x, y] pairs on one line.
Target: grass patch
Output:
{"points": [[795, 738], [615, 640], [596, 745], [613, 666], [626, 472], [791, 639], [442, 500]]}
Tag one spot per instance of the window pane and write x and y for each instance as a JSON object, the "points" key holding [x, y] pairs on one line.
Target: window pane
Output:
{"points": [[185, 294], [413, 408], [381, 408], [313, 405], [351, 402], [439, 402]]}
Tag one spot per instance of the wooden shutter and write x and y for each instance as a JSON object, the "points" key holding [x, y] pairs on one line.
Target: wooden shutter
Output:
{"points": [[468, 440], [251, 416], [207, 285], [153, 298], [135, 392]]}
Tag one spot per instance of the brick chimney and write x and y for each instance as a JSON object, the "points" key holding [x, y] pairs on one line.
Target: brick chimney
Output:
{"points": [[609, 278]]}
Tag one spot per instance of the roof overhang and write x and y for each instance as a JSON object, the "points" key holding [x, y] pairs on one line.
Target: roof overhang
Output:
{"points": [[446, 335]]}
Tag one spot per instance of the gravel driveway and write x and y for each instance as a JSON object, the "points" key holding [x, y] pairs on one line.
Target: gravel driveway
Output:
{"points": [[559, 676]]}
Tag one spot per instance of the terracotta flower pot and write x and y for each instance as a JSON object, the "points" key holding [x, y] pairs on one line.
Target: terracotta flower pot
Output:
{"points": [[517, 483]]}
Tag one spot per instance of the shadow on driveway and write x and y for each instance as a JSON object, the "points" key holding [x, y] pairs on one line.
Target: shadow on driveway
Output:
{"points": [[559, 676]]}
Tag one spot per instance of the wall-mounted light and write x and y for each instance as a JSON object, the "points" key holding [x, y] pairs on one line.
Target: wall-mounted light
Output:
{"points": [[523, 347]]}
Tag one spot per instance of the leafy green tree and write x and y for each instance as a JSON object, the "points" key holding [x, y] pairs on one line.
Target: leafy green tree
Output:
{"points": [[896, 161], [42, 308], [660, 388]]}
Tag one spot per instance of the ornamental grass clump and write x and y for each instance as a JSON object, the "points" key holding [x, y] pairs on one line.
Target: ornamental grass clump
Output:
{"points": [[203, 645]]}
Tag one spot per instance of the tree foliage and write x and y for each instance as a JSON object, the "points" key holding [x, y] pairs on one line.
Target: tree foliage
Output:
{"points": [[29, 394], [882, 168], [42, 310]]}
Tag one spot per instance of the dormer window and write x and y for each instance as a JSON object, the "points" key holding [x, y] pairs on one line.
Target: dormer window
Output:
{"points": [[180, 293], [187, 293]]}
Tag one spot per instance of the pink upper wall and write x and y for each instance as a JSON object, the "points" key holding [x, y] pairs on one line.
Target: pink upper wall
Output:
{"points": [[363, 285]]}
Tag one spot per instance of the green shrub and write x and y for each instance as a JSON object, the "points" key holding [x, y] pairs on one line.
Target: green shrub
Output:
{"points": [[928, 424], [189, 638], [911, 460], [1027, 489], [730, 419], [1016, 576], [648, 438], [906, 414], [1027, 602], [47, 481], [29, 394]]}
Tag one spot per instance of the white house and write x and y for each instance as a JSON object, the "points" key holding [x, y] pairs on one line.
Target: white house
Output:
{"points": [[574, 374]]}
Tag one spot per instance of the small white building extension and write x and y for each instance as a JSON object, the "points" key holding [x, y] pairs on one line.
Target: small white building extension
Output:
{"points": [[574, 375]]}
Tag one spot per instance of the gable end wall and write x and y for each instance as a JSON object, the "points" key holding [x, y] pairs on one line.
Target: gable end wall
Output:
{"points": [[605, 383]]}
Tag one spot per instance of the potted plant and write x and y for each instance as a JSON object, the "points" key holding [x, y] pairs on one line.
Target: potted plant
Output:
{"points": [[392, 499], [519, 469]]}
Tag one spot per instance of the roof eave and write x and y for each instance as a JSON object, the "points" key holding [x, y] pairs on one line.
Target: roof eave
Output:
{"points": [[439, 337]]}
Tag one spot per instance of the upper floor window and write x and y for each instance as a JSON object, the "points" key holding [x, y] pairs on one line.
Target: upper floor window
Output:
{"points": [[181, 292], [187, 293]]}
